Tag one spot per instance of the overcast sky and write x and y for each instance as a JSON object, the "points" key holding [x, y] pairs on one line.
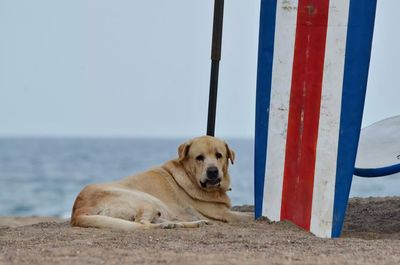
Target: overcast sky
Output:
{"points": [[141, 68]]}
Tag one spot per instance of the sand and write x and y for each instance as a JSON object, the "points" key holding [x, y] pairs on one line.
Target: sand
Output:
{"points": [[371, 236]]}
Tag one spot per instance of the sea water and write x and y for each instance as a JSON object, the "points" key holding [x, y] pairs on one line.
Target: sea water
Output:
{"points": [[42, 176]]}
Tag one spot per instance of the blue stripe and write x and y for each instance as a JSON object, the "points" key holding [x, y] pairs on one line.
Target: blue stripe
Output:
{"points": [[264, 79], [377, 172], [358, 52]]}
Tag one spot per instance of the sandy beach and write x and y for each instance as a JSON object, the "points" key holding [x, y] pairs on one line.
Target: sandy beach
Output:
{"points": [[371, 236]]}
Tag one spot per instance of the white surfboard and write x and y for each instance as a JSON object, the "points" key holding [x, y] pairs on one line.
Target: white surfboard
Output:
{"points": [[379, 149]]}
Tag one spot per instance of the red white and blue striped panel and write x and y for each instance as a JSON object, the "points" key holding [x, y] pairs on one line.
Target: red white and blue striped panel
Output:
{"points": [[312, 76]]}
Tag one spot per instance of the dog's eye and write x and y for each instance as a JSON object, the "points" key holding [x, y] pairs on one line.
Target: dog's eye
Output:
{"points": [[218, 155], [200, 158]]}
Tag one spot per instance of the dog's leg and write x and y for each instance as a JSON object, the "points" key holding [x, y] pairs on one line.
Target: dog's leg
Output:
{"points": [[102, 221], [149, 216], [176, 224], [239, 217], [194, 224]]}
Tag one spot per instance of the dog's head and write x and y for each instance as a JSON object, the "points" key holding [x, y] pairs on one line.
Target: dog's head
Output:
{"points": [[206, 161]]}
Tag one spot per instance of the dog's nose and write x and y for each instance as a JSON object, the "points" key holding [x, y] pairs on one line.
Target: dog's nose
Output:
{"points": [[212, 172]]}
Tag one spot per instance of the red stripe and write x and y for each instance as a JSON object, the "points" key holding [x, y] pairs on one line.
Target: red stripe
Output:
{"points": [[305, 100]]}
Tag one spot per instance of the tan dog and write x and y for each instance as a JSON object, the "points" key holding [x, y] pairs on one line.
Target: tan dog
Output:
{"points": [[185, 192]]}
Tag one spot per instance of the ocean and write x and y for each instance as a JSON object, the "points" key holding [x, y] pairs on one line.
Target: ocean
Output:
{"points": [[42, 176]]}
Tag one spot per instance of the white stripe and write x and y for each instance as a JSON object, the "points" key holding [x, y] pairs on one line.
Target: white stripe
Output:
{"points": [[285, 33], [329, 121]]}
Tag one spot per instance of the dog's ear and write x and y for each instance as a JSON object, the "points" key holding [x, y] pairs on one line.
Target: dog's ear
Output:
{"points": [[230, 154], [183, 150]]}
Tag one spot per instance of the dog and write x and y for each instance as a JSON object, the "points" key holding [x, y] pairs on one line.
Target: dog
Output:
{"points": [[187, 192]]}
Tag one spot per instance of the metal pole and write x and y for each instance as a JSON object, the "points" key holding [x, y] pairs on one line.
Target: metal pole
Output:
{"points": [[215, 58]]}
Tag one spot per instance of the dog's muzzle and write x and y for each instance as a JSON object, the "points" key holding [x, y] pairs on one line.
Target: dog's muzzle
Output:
{"points": [[213, 178]]}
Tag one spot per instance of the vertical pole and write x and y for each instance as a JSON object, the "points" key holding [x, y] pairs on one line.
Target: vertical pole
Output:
{"points": [[215, 58]]}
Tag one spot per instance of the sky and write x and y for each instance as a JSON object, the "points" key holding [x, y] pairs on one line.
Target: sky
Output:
{"points": [[129, 68]]}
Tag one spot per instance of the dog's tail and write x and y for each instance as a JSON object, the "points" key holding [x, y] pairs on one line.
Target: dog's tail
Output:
{"points": [[102, 221]]}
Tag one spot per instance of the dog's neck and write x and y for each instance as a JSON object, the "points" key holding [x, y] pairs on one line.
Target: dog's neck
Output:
{"points": [[178, 172]]}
